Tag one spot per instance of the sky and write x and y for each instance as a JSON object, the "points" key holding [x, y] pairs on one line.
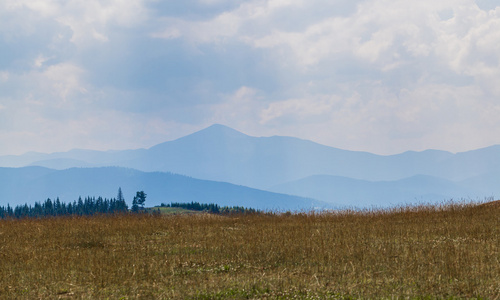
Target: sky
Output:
{"points": [[383, 76]]}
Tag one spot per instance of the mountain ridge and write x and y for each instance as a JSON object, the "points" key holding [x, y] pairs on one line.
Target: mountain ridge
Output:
{"points": [[345, 191], [246, 146], [31, 184], [220, 153]]}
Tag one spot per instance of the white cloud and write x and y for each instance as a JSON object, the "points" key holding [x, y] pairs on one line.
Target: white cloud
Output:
{"points": [[52, 85], [227, 25], [88, 19], [4, 76], [40, 60], [375, 75], [430, 116], [300, 110], [213, 2], [239, 109], [64, 80], [169, 33], [385, 33]]}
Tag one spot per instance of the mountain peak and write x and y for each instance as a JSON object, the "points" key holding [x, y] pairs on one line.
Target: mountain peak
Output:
{"points": [[217, 131], [212, 134], [220, 128]]}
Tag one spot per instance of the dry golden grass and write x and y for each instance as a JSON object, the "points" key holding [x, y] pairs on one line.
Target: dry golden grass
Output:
{"points": [[420, 252]]}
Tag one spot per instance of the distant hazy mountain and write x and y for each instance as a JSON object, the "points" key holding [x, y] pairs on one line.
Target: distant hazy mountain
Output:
{"points": [[362, 193], [62, 163], [488, 183], [220, 153], [30, 184]]}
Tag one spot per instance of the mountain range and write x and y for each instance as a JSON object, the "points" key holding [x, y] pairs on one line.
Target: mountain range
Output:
{"points": [[288, 165], [32, 184]]}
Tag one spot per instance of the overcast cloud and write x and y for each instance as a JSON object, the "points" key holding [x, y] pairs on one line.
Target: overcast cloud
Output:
{"points": [[383, 76]]}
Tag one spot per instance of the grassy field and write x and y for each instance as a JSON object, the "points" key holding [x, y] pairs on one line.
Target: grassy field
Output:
{"points": [[450, 251], [172, 211]]}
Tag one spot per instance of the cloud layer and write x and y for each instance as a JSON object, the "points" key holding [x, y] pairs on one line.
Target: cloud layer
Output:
{"points": [[374, 75]]}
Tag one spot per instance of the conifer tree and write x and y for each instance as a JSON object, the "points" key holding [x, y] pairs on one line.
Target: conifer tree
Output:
{"points": [[138, 202], [120, 195]]}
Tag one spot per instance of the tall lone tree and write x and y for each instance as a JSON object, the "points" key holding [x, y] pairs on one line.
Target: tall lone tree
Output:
{"points": [[120, 195], [139, 200]]}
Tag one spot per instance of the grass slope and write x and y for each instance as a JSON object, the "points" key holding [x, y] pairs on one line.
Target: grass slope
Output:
{"points": [[416, 252], [168, 211]]}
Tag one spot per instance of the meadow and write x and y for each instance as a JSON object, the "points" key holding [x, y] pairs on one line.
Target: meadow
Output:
{"points": [[449, 251]]}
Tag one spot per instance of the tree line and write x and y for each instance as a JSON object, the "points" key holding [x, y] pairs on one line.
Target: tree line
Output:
{"points": [[51, 208], [212, 208], [100, 206], [82, 207]]}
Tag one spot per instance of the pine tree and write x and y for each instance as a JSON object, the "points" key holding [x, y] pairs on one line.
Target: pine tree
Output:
{"points": [[138, 202], [120, 195]]}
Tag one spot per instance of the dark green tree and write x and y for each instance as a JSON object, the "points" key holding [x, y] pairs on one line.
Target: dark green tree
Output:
{"points": [[138, 202], [120, 195]]}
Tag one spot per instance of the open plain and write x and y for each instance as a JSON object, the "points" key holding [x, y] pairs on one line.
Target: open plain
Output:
{"points": [[423, 252]]}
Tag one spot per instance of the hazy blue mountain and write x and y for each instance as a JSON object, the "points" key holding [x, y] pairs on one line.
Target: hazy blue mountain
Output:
{"points": [[14, 161], [220, 153], [489, 183], [224, 154], [72, 158], [472, 163], [362, 193], [30, 184], [62, 163]]}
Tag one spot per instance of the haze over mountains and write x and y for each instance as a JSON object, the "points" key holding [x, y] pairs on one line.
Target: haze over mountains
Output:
{"points": [[285, 165], [31, 184]]}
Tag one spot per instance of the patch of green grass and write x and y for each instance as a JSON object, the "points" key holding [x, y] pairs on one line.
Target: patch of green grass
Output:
{"points": [[172, 210]]}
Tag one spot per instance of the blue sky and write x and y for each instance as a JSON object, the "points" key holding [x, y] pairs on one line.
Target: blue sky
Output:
{"points": [[383, 76]]}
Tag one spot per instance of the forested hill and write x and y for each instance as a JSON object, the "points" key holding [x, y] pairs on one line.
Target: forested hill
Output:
{"points": [[31, 184]]}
